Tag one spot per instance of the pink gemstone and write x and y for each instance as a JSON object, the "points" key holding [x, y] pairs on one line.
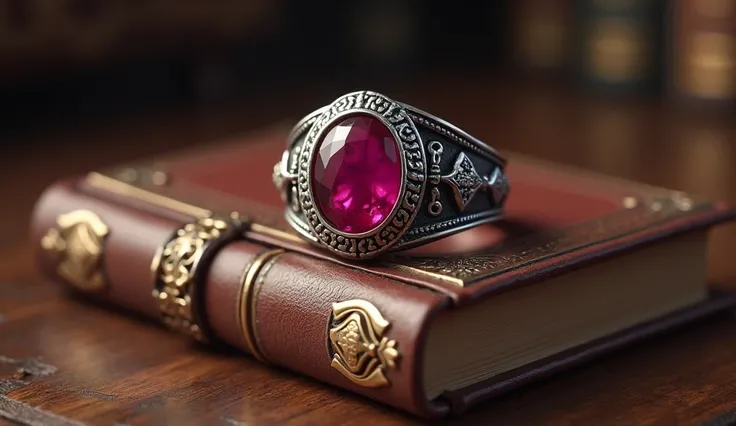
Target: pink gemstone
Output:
{"points": [[356, 176]]}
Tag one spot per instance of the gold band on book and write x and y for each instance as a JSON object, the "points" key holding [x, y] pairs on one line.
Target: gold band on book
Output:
{"points": [[361, 351], [177, 268], [253, 276], [78, 246]]}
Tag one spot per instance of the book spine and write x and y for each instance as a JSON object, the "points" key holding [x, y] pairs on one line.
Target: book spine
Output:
{"points": [[620, 45], [702, 51], [541, 34], [358, 331]]}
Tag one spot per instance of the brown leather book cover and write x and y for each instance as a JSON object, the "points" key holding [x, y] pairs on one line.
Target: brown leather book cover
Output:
{"points": [[432, 331]]}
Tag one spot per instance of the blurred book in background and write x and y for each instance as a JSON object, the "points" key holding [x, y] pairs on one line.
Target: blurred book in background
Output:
{"points": [[703, 51], [620, 45], [541, 34]]}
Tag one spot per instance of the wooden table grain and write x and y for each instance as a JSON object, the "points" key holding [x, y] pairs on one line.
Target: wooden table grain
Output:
{"points": [[64, 361]]}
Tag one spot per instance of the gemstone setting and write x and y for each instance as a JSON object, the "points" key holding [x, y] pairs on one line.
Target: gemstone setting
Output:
{"points": [[413, 182], [356, 175]]}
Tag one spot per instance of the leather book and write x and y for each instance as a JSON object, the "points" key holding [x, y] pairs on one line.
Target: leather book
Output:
{"points": [[581, 265]]}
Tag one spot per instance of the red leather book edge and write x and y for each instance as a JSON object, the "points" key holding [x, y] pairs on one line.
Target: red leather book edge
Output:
{"points": [[463, 399]]}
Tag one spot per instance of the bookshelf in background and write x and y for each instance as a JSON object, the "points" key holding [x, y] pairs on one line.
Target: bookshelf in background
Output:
{"points": [[674, 49]]}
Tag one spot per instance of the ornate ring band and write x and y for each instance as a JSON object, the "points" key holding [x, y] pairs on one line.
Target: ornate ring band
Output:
{"points": [[367, 175], [178, 271]]}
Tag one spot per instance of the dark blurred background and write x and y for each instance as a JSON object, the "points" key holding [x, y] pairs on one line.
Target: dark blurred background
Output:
{"points": [[612, 85], [71, 60], [66, 61]]}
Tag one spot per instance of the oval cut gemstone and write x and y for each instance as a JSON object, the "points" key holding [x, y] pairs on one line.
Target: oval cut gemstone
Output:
{"points": [[356, 175]]}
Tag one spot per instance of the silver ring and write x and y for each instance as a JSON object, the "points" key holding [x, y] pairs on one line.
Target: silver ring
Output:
{"points": [[367, 175]]}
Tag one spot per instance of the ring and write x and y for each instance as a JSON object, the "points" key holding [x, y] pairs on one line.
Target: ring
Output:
{"points": [[367, 175]]}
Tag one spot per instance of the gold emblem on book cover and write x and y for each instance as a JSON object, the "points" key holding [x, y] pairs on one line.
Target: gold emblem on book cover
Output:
{"points": [[362, 352], [78, 243], [176, 266]]}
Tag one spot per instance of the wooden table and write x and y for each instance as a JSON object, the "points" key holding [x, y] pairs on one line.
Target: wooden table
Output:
{"points": [[101, 366]]}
